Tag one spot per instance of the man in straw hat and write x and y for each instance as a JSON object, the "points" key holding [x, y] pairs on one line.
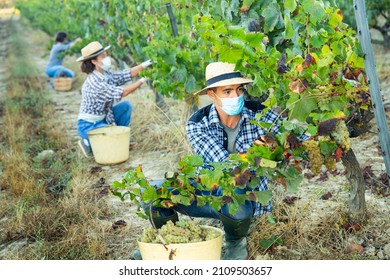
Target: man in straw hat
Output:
{"points": [[222, 128], [101, 90], [216, 131]]}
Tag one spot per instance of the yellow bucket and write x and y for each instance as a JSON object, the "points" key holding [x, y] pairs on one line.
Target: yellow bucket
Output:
{"points": [[204, 250], [110, 145]]}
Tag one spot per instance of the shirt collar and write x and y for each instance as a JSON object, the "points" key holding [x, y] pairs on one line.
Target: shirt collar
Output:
{"points": [[98, 74]]}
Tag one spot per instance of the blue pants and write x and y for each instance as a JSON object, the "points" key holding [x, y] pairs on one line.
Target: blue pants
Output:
{"points": [[55, 71], [206, 211], [122, 115]]}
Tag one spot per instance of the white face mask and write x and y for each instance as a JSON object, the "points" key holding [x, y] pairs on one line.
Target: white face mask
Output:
{"points": [[106, 63], [232, 106]]}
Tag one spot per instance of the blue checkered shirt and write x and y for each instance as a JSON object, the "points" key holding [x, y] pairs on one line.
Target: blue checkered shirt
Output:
{"points": [[209, 140], [99, 92]]}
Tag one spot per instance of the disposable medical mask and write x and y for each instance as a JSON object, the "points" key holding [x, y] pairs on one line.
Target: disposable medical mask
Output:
{"points": [[232, 106]]}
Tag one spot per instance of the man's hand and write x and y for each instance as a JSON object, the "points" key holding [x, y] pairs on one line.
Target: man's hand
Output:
{"points": [[146, 63], [268, 140]]}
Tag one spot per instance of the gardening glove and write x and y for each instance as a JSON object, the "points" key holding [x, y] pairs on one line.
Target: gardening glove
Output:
{"points": [[143, 80], [146, 63]]}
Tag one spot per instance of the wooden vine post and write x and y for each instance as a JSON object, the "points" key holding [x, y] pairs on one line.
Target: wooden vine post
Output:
{"points": [[357, 205], [373, 82], [172, 20], [190, 99]]}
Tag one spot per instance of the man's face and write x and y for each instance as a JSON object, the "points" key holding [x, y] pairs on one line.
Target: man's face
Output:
{"points": [[230, 91]]}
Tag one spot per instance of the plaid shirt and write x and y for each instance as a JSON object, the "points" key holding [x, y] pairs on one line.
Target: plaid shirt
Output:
{"points": [[209, 140], [99, 92]]}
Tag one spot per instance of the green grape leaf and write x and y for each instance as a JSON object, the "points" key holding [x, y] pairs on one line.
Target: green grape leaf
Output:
{"points": [[293, 179], [291, 5], [118, 185], [263, 197], [181, 74], [190, 84], [254, 182], [247, 3], [302, 108], [170, 58], [271, 100], [272, 16], [315, 9], [289, 30], [328, 148], [210, 178], [311, 129], [216, 202], [230, 54], [267, 243], [181, 199], [149, 194]]}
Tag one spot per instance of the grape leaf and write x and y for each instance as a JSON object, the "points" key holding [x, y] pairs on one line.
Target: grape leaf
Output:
{"points": [[243, 178], [302, 108], [210, 178], [190, 84], [315, 9], [272, 16], [290, 5], [298, 86], [327, 148], [263, 197]]}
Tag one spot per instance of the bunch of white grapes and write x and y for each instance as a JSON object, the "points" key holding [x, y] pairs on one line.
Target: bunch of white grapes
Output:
{"points": [[182, 232], [341, 135], [314, 153]]}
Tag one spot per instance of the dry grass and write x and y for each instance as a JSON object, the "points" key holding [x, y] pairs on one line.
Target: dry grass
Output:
{"points": [[302, 237], [160, 129], [46, 206]]}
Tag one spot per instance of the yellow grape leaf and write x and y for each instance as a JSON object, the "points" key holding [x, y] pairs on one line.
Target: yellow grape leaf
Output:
{"points": [[299, 68], [268, 163], [243, 157]]}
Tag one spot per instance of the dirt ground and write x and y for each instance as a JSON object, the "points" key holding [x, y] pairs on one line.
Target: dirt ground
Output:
{"points": [[161, 141]]}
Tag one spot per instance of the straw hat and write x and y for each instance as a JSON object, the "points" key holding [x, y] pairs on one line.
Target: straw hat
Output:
{"points": [[91, 50], [220, 74]]}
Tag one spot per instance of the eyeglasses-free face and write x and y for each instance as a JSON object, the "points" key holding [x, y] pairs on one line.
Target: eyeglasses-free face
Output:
{"points": [[230, 91]]}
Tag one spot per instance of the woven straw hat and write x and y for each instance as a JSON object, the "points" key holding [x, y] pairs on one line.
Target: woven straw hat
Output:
{"points": [[91, 50], [220, 74]]}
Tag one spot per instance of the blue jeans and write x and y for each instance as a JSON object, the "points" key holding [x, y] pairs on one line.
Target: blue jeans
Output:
{"points": [[206, 211], [55, 71], [122, 115]]}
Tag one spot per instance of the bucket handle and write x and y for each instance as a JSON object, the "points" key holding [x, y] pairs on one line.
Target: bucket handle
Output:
{"points": [[159, 236], [101, 133]]}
